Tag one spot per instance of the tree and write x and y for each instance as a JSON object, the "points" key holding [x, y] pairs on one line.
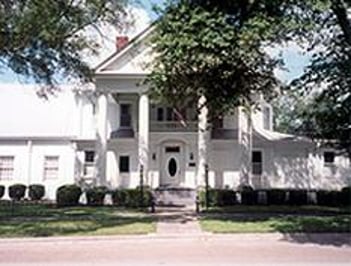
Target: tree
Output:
{"points": [[216, 50], [44, 39], [328, 78]]}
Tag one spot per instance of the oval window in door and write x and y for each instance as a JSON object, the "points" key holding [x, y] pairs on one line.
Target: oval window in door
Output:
{"points": [[172, 167]]}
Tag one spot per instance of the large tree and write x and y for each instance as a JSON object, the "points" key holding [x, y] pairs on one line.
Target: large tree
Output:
{"points": [[217, 50], [44, 39]]}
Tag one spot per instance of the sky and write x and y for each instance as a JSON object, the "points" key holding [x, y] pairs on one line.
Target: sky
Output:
{"points": [[142, 14]]}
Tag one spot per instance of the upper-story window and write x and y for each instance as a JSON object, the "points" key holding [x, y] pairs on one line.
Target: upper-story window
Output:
{"points": [[6, 167], [168, 114], [329, 158], [126, 117], [267, 118], [257, 161]]}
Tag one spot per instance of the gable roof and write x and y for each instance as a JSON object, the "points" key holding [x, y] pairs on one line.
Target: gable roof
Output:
{"points": [[102, 67]]}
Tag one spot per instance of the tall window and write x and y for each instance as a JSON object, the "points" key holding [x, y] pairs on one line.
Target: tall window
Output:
{"points": [[124, 164], [89, 158], [126, 118], [6, 167], [51, 167], [257, 163], [267, 118], [329, 158]]}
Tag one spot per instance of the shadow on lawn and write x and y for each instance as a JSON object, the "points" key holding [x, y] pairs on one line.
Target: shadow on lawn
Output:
{"points": [[322, 230], [49, 221]]}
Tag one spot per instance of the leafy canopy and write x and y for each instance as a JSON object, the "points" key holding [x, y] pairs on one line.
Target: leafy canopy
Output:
{"points": [[43, 39], [218, 50]]}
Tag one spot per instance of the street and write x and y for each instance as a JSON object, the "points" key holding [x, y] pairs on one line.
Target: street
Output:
{"points": [[239, 249]]}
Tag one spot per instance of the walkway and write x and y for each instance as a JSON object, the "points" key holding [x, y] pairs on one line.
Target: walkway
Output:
{"points": [[177, 221]]}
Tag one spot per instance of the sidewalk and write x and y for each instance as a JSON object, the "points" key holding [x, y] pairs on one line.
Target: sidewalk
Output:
{"points": [[177, 221]]}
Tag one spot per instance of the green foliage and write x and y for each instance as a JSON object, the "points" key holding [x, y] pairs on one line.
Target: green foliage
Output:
{"points": [[218, 197], [297, 197], [205, 48], [96, 196], [68, 195], [131, 197], [44, 40], [2, 191], [36, 192], [17, 191], [276, 196], [329, 198]]}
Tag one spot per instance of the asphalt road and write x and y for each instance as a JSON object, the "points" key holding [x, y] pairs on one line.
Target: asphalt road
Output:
{"points": [[245, 249]]}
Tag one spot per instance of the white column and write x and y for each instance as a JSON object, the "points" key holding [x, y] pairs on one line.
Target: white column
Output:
{"points": [[245, 141], [29, 161], [203, 141], [143, 134], [101, 140]]}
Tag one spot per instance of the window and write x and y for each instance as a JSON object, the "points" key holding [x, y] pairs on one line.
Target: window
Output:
{"points": [[89, 158], [329, 158], [6, 167], [51, 167], [126, 120], [124, 164], [267, 118], [160, 114], [257, 163]]}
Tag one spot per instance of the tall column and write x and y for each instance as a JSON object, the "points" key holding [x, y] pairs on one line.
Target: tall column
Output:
{"points": [[203, 141], [101, 140], [143, 134], [245, 141]]}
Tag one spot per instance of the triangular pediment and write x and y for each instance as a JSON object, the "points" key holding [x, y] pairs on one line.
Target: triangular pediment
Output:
{"points": [[133, 59]]}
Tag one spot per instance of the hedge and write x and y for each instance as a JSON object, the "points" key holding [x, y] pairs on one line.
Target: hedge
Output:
{"points": [[2, 191], [328, 197], [68, 195], [249, 196], [96, 196], [218, 197], [131, 197], [346, 196], [276, 196], [17, 191], [36, 192], [297, 197]]}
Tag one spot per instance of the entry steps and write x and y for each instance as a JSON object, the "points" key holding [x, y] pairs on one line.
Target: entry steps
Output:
{"points": [[175, 196]]}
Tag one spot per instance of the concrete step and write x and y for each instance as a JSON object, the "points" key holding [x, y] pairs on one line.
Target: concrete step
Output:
{"points": [[169, 196]]}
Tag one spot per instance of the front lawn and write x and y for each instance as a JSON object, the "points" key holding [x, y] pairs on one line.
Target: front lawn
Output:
{"points": [[45, 220], [284, 219]]}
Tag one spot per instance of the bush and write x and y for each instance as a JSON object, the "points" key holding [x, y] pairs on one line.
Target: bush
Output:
{"points": [[345, 196], [131, 197], [218, 197], [68, 195], [17, 191], [36, 192], [276, 196], [96, 196], [248, 195], [328, 197], [297, 197], [2, 191]]}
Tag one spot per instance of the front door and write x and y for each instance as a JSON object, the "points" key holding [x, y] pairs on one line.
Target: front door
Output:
{"points": [[172, 164]]}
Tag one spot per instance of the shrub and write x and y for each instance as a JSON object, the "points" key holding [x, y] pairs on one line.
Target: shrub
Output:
{"points": [[329, 197], [346, 196], [2, 191], [96, 196], [297, 197], [131, 197], [218, 197], [36, 192], [68, 195], [248, 195], [17, 191], [276, 196]]}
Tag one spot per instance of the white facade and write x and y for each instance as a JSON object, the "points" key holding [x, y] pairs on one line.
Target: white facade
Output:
{"points": [[113, 134]]}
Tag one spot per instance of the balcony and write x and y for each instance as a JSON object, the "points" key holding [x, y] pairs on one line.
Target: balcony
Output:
{"points": [[173, 126]]}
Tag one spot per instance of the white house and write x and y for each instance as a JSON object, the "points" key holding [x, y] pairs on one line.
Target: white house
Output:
{"points": [[112, 133]]}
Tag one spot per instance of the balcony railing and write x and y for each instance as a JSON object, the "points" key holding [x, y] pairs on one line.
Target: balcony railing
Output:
{"points": [[173, 126]]}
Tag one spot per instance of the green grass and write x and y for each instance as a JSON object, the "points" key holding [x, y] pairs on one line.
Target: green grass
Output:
{"points": [[283, 224], [45, 220]]}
